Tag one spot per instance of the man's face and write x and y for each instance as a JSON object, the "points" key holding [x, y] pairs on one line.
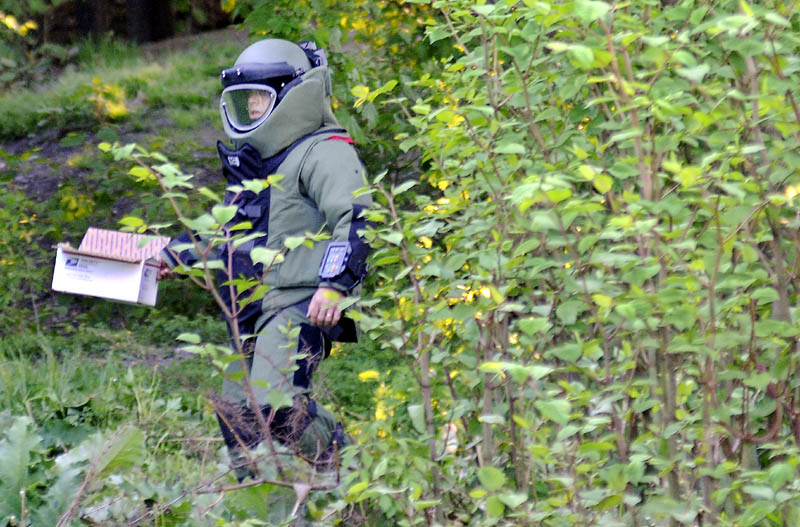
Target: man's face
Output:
{"points": [[257, 103]]}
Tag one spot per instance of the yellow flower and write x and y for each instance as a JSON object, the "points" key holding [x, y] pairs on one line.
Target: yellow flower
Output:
{"points": [[116, 109], [27, 26], [10, 21], [369, 375], [455, 121], [426, 242], [790, 192]]}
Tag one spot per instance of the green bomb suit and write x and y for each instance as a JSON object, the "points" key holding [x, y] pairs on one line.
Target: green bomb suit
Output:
{"points": [[301, 140]]}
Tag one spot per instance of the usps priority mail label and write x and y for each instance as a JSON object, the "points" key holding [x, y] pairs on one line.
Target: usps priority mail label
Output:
{"points": [[88, 275]]}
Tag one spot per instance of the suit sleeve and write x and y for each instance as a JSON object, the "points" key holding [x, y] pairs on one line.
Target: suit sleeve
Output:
{"points": [[330, 175]]}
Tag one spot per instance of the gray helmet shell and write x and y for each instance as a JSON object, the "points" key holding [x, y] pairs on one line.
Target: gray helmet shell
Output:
{"points": [[274, 51], [303, 104]]}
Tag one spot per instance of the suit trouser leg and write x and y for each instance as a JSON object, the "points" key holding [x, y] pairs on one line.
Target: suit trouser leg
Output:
{"points": [[286, 352]]}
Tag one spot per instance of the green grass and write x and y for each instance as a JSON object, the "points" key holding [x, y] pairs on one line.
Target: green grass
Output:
{"points": [[184, 80], [105, 51]]}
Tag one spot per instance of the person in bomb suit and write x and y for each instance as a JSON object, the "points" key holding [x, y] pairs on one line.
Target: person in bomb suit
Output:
{"points": [[275, 108]]}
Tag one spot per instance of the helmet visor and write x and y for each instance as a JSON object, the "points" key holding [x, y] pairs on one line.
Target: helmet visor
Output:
{"points": [[247, 105]]}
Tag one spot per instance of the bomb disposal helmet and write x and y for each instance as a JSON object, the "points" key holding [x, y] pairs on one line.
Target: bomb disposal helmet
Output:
{"points": [[262, 78]]}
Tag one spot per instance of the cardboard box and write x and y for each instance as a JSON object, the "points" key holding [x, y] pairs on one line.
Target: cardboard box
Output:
{"points": [[110, 264]]}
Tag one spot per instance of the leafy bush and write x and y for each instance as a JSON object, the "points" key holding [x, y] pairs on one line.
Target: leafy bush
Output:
{"points": [[595, 276]]}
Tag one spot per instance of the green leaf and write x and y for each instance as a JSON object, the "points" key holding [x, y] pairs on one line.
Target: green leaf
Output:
{"points": [[602, 300], [557, 410], [491, 478], [622, 136], [131, 221], [603, 183], [389, 86], [759, 492], [755, 512], [513, 499], [422, 109], [202, 223], [582, 55], [224, 213], [15, 456], [694, 74], [210, 194], [494, 507], [758, 381], [238, 242], [424, 504], [537, 371], [266, 257], [123, 450], [558, 195], [394, 237], [510, 148], [587, 171], [417, 414], [775, 18], [534, 325], [357, 488], [140, 173], [278, 399], [780, 474], [191, 338], [569, 352], [567, 312], [589, 11], [123, 152], [478, 493], [399, 189], [293, 242], [527, 246], [360, 91], [765, 295]]}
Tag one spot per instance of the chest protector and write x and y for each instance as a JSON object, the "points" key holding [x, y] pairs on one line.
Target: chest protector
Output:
{"points": [[246, 163]]}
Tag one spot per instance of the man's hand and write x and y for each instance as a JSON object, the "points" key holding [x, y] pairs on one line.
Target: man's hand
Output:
{"points": [[164, 272], [324, 308]]}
